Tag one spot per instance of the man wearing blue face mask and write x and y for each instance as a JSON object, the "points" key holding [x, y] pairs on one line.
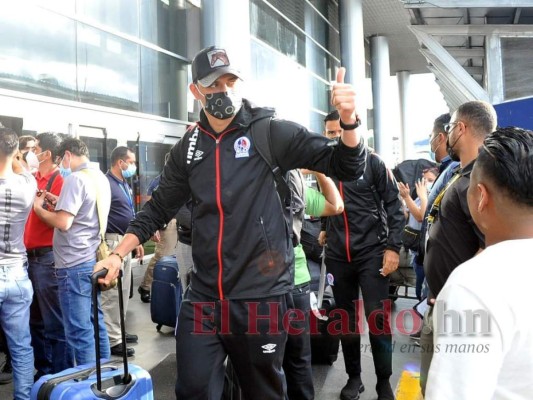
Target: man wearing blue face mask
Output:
{"points": [[121, 214], [74, 215]]}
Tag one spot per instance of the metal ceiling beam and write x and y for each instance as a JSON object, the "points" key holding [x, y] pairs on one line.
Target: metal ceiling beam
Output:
{"points": [[475, 30], [475, 70], [494, 69], [517, 13], [450, 93], [443, 61], [463, 52], [466, 3], [455, 89]]}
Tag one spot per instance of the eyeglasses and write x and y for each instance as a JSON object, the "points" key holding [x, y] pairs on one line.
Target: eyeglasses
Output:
{"points": [[448, 127]]}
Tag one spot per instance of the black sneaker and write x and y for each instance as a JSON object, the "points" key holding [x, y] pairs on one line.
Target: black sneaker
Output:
{"points": [[353, 387], [131, 338], [6, 372], [118, 350], [384, 390], [145, 294]]}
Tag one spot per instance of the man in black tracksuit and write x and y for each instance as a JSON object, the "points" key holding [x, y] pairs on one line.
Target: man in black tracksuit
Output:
{"points": [[363, 245], [242, 249]]}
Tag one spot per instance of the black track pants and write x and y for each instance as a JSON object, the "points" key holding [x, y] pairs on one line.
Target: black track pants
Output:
{"points": [[347, 278], [250, 332]]}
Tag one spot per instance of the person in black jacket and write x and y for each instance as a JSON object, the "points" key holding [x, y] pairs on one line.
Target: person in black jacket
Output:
{"points": [[242, 249], [363, 245]]}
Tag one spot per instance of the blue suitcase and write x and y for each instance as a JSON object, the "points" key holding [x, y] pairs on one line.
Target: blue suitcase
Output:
{"points": [[166, 293], [111, 380]]}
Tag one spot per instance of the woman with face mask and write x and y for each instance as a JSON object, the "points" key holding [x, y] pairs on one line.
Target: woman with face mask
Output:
{"points": [[417, 209]]}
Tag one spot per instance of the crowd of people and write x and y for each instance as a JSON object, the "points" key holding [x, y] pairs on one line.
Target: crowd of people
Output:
{"points": [[473, 214]]}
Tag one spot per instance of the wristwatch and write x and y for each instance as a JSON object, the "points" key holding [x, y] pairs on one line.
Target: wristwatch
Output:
{"points": [[349, 127]]}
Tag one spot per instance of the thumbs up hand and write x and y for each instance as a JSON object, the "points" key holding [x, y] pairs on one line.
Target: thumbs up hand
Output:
{"points": [[343, 98]]}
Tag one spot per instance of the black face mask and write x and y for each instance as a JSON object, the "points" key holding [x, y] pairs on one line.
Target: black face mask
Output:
{"points": [[222, 105], [453, 155]]}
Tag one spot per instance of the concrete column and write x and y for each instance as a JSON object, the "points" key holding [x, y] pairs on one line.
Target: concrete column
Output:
{"points": [[379, 55], [405, 134], [353, 50], [226, 23]]}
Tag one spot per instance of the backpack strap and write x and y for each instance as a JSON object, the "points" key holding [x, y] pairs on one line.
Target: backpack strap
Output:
{"points": [[51, 181], [260, 132], [262, 140]]}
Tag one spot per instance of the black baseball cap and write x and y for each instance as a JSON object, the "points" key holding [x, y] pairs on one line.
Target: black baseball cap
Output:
{"points": [[210, 64]]}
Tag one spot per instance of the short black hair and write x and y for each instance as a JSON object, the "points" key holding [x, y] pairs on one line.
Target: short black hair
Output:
{"points": [[23, 141], [49, 141], [119, 153], [75, 146], [9, 142], [479, 115], [506, 158], [440, 121], [332, 116]]}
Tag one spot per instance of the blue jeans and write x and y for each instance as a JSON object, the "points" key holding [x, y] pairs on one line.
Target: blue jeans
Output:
{"points": [[15, 298], [50, 348], [420, 276], [76, 305]]}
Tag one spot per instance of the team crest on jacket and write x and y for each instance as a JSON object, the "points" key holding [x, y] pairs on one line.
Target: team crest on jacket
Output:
{"points": [[242, 147]]}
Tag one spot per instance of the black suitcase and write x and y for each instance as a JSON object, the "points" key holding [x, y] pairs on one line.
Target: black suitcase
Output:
{"points": [[166, 293], [324, 347]]}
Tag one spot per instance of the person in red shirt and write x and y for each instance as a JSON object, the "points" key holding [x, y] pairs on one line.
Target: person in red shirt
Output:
{"points": [[46, 322]]}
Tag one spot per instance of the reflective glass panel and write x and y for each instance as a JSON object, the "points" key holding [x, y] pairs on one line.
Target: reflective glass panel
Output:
{"points": [[122, 15], [164, 24], [108, 69], [164, 85], [37, 52]]}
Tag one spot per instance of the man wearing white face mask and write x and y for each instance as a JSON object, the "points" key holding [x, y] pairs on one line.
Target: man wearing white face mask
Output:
{"points": [[121, 213], [46, 319]]}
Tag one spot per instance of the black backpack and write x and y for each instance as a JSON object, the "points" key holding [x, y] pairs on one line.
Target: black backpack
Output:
{"points": [[261, 137]]}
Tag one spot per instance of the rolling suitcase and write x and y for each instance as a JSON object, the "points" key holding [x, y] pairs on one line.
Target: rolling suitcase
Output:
{"points": [[324, 346], [111, 380], [166, 293]]}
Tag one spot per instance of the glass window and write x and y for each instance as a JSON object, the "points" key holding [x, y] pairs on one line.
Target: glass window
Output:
{"points": [[122, 15], [268, 26], [108, 69], [65, 6], [163, 84], [164, 24], [151, 160], [517, 59], [100, 149], [314, 23], [37, 52]]}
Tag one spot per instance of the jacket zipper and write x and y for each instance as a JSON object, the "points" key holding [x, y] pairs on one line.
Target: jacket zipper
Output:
{"points": [[267, 242], [346, 228], [219, 206]]}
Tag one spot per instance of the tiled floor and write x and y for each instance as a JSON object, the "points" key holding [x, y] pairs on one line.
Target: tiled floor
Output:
{"points": [[153, 346]]}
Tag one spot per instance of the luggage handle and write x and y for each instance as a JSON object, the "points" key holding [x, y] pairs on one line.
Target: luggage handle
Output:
{"points": [[94, 280]]}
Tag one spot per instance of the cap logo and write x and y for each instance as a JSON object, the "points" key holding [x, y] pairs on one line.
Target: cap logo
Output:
{"points": [[218, 58]]}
